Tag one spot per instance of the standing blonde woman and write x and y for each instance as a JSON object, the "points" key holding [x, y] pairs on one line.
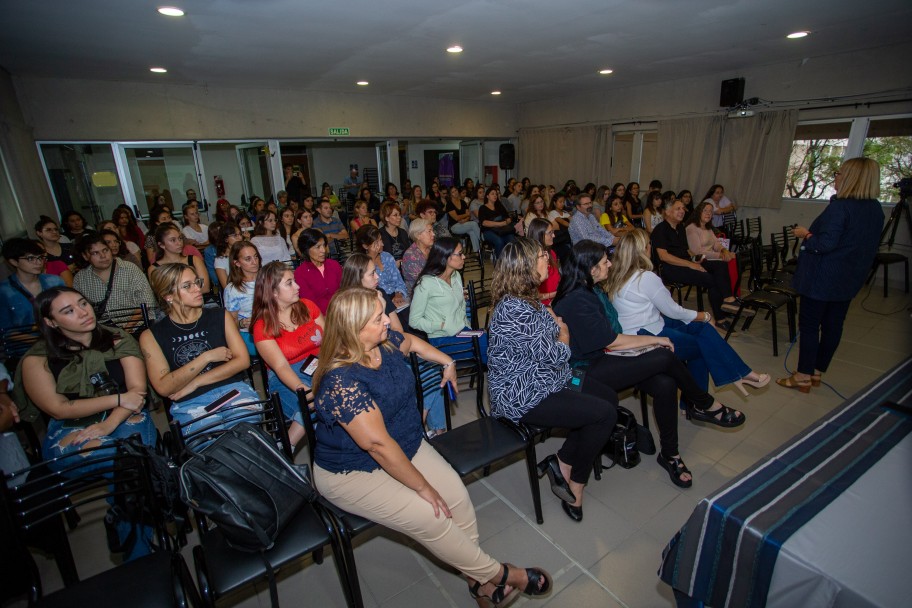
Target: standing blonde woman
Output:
{"points": [[371, 459]]}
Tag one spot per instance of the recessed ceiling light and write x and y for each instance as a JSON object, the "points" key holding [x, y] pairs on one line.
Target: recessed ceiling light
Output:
{"points": [[362, 83], [454, 49], [606, 71], [171, 11], [495, 92], [800, 34], [158, 70]]}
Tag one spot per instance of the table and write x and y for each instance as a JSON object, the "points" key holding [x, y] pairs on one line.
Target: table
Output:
{"points": [[825, 520]]}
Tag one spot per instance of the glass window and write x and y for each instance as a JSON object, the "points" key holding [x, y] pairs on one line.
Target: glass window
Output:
{"points": [[11, 223], [817, 152], [889, 142], [83, 178], [162, 174]]}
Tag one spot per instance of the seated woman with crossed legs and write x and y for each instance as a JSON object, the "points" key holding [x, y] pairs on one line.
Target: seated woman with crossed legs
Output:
{"points": [[371, 459]]}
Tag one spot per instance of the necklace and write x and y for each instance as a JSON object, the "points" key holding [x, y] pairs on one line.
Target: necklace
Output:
{"points": [[183, 326]]}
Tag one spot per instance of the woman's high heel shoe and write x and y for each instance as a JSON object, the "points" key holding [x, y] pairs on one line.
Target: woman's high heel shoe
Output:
{"points": [[761, 381], [559, 486], [574, 513], [816, 379]]}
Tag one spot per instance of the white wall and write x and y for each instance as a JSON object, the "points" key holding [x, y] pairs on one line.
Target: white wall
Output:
{"points": [[330, 162], [221, 159]]}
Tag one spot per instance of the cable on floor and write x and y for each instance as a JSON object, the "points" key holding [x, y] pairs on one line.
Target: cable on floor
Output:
{"points": [[790, 372]]}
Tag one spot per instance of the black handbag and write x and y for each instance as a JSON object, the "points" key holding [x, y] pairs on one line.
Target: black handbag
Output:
{"points": [[621, 447], [246, 486]]}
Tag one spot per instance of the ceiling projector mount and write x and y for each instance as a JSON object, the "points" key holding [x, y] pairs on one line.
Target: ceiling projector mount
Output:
{"points": [[743, 109]]}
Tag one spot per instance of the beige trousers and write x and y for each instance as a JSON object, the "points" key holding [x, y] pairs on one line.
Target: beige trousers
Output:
{"points": [[380, 498]]}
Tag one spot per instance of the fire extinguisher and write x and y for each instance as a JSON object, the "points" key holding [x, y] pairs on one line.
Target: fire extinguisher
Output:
{"points": [[219, 187]]}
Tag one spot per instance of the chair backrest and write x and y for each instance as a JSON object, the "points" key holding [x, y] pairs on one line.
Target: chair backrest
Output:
{"points": [[479, 296], [756, 265], [754, 228], [133, 320], [36, 497], [427, 378], [792, 244], [15, 341], [266, 414], [779, 249], [474, 262], [467, 357]]}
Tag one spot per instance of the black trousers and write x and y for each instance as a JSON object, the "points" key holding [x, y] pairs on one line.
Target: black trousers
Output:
{"points": [[589, 416], [820, 324], [660, 374], [715, 280]]}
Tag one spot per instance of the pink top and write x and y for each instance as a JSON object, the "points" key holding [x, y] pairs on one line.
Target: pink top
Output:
{"points": [[316, 286], [703, 241]]}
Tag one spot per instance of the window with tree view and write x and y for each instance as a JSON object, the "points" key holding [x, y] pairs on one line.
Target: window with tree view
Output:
{"points": [[889, 142], [816, 155]]}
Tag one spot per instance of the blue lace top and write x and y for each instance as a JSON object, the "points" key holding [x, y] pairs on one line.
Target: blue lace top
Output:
{"points": [[348, 391]]}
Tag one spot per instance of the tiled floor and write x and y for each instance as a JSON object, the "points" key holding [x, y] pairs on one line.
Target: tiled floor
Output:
{"points": [[611, 558]]}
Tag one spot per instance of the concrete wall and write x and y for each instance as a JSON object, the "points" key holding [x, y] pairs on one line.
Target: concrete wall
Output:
{"points": [[82, 110]]}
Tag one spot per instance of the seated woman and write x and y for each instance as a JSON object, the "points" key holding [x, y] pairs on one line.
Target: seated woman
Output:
{"points": [[395, 239], [371, 460], [370, 241], [88, 378], [669, 242], [530, 379], [127, 227], [228, 235], [287, 330], [461, 221], [535, 210], [614, 220], [119, 248], [362, 217], [658, 372], [195, 356], [653, 215], [27, 259], [361, 271], [170, 250], [722, 205], [560, 219], [421, 232], [267, 239], [238, 297], [61, 258], [496, 223], [317, 276], [644, 306], [542, 232], [701, 240], [438, 303], [304, 219], [194, 232]]}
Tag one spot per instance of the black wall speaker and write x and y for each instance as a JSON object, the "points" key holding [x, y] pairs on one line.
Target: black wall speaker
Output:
{"points": [[732, 92], [507, 156]]}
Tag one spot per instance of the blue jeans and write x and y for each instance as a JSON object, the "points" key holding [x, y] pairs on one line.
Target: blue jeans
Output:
{"points": [[188, 410], [288, 397], [497, 241], [704, 352], [471, 229]]}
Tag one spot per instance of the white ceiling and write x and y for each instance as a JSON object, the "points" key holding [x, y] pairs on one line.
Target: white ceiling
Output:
{"points": [[529, 49]]}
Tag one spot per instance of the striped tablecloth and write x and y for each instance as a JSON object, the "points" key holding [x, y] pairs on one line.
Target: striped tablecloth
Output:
{"points": [[726, 552]]}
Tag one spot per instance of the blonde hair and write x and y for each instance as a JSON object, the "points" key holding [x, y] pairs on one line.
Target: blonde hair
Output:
{"points": [[165, 281], [347, 314], [629, 259], [860, 179], [515, 272]]}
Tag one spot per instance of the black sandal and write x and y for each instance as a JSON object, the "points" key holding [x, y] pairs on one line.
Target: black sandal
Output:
{"points": [[676, 468], [729, 418], [499, 597]]}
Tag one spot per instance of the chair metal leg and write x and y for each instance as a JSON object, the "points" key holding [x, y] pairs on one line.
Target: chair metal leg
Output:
{"points": [[734, 322], [775, 336], [533, 482]]}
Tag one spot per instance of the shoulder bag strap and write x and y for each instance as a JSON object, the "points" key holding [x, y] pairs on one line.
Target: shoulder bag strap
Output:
{"points": [[101, 306]]}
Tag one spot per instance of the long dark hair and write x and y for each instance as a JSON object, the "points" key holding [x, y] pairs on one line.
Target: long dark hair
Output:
{"points": [[353, 271], [265, 305], [227, 229], [437, 258], [536, 231], [696, 218], [576, 269], [58, 345], [307, 239]]}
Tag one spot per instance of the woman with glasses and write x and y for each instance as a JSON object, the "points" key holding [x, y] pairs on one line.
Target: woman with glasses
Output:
{"points": [[238, 298], [229, 234], [170, 250], [268, 241], [27, 260], [542, 231], [194, 356], [421, 231]]}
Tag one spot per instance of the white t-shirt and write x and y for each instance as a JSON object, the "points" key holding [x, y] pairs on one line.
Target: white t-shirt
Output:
{"points": [[193, 235], [554, 214], [271, 248]]}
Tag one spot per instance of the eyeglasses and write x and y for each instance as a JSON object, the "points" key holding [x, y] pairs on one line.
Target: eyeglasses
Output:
{"points": [[34, 258], [460, 254], [198, 283], [550, 233], [51, 229]]}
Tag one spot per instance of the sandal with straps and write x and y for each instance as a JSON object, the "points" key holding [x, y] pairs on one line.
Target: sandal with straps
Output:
{"points": [[675, 467], [803, 386], [499, 598], [729, 418]]}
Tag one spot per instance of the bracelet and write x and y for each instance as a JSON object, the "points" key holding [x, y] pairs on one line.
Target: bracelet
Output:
{"points": [[708, 317], [447, 364]]}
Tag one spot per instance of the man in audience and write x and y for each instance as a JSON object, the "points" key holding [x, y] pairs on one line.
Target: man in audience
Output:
{"points": [[352, 184], [428, 210], [110, 283], [329, 225], [584, 225]]}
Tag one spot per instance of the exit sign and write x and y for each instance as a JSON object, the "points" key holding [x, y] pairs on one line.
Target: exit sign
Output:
{"points": [[339, 131]]}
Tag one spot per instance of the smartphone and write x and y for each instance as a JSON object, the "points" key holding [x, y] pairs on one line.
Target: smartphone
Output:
{"points": [[222, 400], [451, 392], [310, 365]]}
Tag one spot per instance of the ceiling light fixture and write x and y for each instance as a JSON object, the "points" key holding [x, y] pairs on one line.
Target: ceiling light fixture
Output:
{"points": [[795, 35], [362, 83], [170, 11], [606, 71], [495, 92], [158, 70], [454, 49]]}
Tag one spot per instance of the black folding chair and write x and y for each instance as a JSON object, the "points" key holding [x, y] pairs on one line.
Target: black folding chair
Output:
{"points": [[34, 500], [479, 296], [133, 320], [221, 569]]}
